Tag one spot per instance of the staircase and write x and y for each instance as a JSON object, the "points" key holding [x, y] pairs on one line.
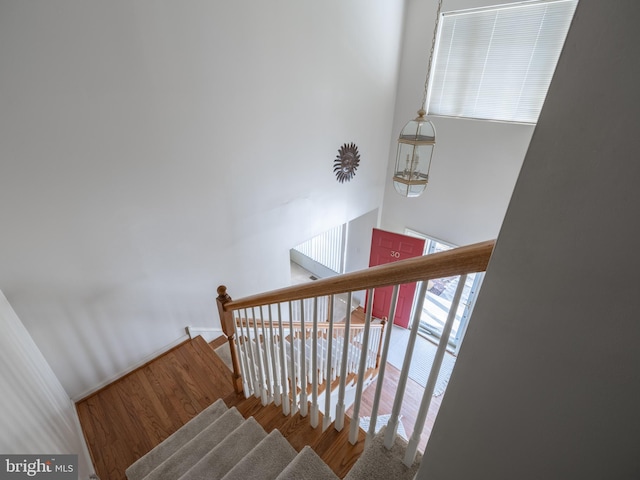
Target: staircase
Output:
{"points": [[220, 443], [287, 362], [280, 362]]}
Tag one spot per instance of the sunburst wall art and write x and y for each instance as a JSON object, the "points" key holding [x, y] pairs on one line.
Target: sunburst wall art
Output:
{"points": [[346, 163]]}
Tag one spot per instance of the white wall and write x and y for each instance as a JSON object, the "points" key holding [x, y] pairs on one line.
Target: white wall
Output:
{"points": [[547, 383], [359, 245], [475, 163], [36, 415], [359, 240], [153, 150]]}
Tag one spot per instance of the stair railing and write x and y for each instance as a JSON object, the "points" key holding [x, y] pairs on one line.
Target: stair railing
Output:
{"points": [[302, 349], [275, 356]]}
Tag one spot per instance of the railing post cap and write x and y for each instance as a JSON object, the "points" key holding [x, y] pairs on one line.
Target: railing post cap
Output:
{"points": [[222, 290]]}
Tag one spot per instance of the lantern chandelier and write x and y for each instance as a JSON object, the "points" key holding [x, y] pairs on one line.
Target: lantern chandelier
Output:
{"points": [[416, 142]]}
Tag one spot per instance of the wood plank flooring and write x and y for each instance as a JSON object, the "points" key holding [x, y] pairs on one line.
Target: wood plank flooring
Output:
{"points": [[412, 397], [410, 405]]}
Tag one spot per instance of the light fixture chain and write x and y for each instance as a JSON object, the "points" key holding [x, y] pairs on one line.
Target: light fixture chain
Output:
{"points": [[433, 47]]}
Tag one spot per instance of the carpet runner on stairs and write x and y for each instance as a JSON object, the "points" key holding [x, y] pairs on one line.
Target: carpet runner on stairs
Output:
{"points": [[220, 444]]}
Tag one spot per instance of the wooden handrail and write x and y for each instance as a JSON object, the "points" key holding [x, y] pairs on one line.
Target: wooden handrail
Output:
{"points": [[457, 261]]}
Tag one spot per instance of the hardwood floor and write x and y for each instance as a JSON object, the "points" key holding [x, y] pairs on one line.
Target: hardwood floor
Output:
{"points": [[411, 403], [412, 397], [127, 418]]}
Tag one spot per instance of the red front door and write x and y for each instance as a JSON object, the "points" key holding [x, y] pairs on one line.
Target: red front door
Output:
{"points": [[389, 247]]}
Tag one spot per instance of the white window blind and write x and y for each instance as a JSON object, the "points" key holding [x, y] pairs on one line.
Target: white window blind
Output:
{"points": [[497, 63]]}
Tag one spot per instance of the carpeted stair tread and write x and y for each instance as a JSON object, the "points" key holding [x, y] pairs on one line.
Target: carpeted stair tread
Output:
{"points": [[175, 441], [225, 455], [265, 462], [307, 466], [195, 449], [376, 462]]}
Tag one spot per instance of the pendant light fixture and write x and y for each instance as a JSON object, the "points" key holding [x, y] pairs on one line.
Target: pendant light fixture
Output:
{"points": [[416, 142]]}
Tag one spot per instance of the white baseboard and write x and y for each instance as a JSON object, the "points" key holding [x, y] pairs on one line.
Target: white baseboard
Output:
{"points": [[207, 333]]}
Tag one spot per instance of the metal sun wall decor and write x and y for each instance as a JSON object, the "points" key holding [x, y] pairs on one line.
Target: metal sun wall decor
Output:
{"points": [[346, 163]]}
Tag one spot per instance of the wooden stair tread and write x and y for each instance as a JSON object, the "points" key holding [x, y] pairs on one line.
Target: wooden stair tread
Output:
{"points": [[217, 367], [218, 342]]}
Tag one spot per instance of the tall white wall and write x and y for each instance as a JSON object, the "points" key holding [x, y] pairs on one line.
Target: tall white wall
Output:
{"points": [[547, 383], [36, 415], [359, 246], [359, 241], [152, 150], [475, 163]]}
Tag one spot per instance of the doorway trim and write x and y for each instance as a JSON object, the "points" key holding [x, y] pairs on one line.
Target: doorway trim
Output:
{"points": [[474, 282]]}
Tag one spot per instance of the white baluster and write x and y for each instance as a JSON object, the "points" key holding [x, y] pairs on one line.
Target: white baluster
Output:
{"points": [[412, 447], [262, 383], [392, 425], [266, 357], [340, 408], [245, 350], [283, 365], [314, 366], [304, 404], [322, 338], [373, 347], [335, 349], [355, 349], [372, 333], [292, 372], [327, 392], [239, 339], [324, 312], [372, 336], [342, 337], [383, 364], [274, 360], [355, 420], [252, 364]]}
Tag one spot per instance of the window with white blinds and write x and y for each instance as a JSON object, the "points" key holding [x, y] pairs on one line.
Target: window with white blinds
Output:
{"points": [[496, 63]]}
